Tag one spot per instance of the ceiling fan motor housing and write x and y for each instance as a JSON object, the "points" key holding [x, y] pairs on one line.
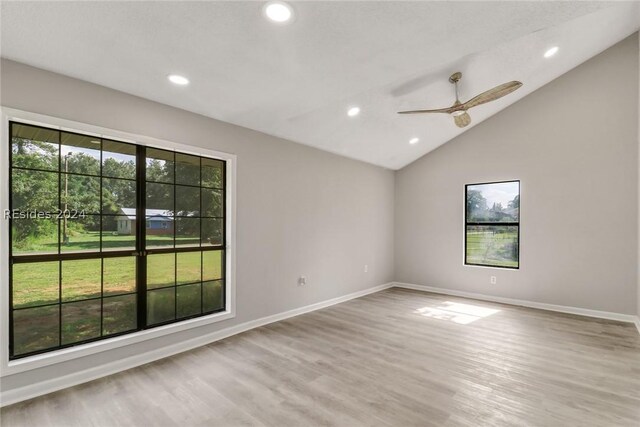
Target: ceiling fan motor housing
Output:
{"points": [[455, 77]]}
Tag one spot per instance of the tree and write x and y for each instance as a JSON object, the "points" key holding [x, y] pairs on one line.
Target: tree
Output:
{"points": [[476, 204], [82, 163], [159, 170], [34, 154], [113, 168], [515, 203], [33, 190], [38, 190]]}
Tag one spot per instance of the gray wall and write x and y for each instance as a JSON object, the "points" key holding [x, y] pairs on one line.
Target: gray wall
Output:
{"points": [[574, 146], [299, 210]]}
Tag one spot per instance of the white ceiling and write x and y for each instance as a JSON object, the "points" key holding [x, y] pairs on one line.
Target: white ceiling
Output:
{"points": [[296, 81]]}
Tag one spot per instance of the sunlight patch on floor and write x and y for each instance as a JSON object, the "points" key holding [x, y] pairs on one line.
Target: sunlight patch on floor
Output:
{"points": [[457, 312]]}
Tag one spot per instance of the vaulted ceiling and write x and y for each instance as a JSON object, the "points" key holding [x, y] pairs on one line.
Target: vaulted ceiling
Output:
{"points": [[297, 81]]}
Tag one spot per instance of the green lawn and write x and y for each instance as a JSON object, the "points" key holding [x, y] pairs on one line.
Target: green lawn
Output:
{"points": [[114, 279], [496, 248], [37, 283]]}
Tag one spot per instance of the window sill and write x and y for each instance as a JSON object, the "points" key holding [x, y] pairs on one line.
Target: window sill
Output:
{"points": [[492, 267], [70, 353]]}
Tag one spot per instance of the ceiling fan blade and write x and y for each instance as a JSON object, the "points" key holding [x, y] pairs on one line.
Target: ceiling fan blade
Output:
{"points": [[462, 120], [492, 94], [439, 110]]}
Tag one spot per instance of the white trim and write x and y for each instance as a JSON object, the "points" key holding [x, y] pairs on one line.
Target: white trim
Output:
{"points": [[637, 322], [492, 268], [49, 386], [4, 244], [524, 303], [12, 367]]}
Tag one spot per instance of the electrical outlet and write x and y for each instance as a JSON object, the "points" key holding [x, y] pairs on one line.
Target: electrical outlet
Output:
{"points": [[302, 280], [366, 268], [494, 280]]}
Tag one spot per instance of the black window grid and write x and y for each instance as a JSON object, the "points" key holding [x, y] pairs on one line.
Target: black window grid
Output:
{"points": [[101, 253]]}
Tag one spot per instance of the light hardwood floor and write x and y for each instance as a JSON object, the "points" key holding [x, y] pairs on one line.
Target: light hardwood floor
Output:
{"points": [[397, 357]]}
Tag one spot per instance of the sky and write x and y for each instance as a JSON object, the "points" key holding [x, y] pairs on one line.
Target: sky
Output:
{"points": [[96, 153], [502, 192]]}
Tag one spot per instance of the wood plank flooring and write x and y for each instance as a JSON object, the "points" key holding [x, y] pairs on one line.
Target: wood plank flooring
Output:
{"points": [[394, 358]]}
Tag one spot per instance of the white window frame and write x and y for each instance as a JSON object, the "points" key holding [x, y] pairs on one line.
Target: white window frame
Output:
{"points": [[10, 367]]}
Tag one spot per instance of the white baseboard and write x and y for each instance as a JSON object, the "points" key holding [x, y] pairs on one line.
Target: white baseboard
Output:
{"points": [[524, 303], [637, 322], [33, 390]]}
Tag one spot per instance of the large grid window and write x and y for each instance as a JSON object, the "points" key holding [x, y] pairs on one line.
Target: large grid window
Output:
{"points": [[492, 224], [109, 238]]}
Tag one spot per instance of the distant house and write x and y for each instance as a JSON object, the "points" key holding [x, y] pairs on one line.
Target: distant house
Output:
{"points": [[158, 221]]}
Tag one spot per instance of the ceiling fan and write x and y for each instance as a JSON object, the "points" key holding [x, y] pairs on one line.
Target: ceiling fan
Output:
{"points": [[459, 109]]}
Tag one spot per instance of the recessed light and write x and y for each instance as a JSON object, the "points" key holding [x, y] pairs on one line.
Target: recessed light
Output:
{"points": [[549, 53], [178, 80], [414, 140], [278, 11], [353, 111]]}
